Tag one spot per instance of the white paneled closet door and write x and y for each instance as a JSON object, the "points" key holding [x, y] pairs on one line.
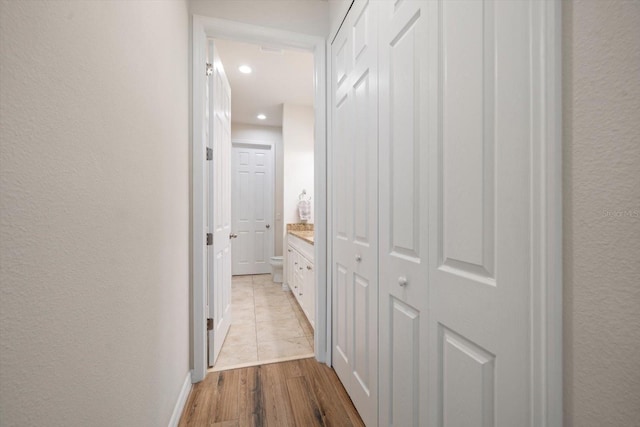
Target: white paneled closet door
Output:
{"points": [[355, 208], [404, 226], [461, 313]]}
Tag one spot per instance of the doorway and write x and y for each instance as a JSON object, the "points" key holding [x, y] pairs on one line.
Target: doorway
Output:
{"points": [[271, 111], [209, 28]]}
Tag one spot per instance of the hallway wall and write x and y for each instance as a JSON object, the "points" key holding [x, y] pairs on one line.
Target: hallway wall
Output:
{"points": [[94, 225], [298, 163], [601, 212]]}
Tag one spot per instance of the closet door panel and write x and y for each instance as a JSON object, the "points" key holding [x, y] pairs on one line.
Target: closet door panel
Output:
{"points": [[403, 214], [467, 382], [404, 141], [342, 163], [481, 308], [355, 189], [341, 330], [342, 195], [403, 405], [467, 185], [362, 333], [363, 154]]}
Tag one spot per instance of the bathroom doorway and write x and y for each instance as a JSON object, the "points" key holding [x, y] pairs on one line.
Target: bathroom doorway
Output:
{"points": [[272, 156]]}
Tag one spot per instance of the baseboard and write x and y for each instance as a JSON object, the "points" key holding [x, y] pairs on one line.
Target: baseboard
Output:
{"points": [[182, 400]]}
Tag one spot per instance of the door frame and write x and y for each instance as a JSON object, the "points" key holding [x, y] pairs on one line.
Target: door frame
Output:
{"points": [[221, 28], [261, 145]]}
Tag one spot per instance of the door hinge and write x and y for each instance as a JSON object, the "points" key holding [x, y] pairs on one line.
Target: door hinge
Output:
{"points": [[209, 69], [209, 153], [209, 324], [209, 239]]}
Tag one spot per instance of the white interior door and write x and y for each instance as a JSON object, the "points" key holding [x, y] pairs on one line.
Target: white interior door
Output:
{"points": [[218, 203], [355, 208], [404, 234], [252, 209], [458, 133]]}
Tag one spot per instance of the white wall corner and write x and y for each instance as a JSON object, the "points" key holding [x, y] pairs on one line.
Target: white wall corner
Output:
{"points": [[182, 400]]}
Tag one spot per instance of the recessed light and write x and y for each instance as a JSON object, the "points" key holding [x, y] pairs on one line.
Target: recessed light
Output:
{"points": [[261, 117], [244, 69]]}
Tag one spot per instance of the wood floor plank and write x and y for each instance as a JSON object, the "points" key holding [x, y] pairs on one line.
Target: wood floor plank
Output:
{"points": [[342, 395], [296, 393], [228, 394], [279, 411], [251, 406], [332, 408], [306, 411], [292, 369], [201, 404]]}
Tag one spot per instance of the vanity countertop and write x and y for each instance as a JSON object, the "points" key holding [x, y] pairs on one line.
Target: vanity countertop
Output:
{"points": [[306, 235]]}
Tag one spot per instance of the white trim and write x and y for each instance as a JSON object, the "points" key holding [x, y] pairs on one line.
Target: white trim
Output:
{"points": [[255, 142], [546, 218], [198, 78], [203, 27], [329, 202], [553, 213], [182, 400], [261, 362], [322, 342]]}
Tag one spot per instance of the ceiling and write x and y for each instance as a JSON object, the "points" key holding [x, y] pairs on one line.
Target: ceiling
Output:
{"points": [[278, 77]]}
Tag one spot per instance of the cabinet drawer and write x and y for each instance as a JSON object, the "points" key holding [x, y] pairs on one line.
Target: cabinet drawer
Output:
{"points": [[305, 248]]}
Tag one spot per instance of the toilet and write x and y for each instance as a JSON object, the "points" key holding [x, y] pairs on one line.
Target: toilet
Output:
{"points": [[276, 268]]}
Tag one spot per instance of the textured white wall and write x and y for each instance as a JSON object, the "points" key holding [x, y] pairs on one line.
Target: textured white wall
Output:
{"points": [[297, 136], [300, 16], [94, 225], [602, 212], [271, 134]]}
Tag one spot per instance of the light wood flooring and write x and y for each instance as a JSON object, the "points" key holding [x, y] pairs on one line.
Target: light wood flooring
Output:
{"points": [[267, 325], [296, 393]]}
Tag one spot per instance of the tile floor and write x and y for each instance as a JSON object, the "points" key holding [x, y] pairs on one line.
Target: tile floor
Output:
{"points": [[267, 325]]}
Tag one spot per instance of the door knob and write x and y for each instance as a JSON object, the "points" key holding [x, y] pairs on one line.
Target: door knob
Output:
{"points": [[402, 281], [268, 225], [232, 236], [358, 258]]}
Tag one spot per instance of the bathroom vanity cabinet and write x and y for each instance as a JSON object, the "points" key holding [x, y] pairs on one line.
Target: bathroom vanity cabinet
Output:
{"points": [[300, 276]]}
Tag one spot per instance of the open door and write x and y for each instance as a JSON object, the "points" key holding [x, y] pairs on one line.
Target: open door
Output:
{"points": [[218, 203]]}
